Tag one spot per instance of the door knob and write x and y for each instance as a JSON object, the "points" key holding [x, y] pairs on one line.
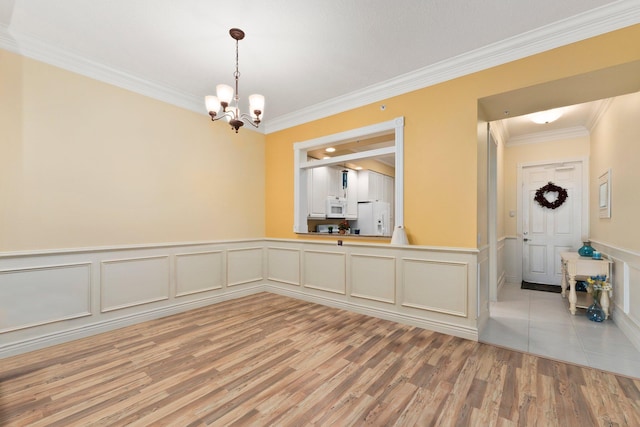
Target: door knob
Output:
{"points": [[525, 239]]}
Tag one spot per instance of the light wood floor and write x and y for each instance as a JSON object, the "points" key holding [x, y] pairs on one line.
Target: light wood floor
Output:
{"points": [[270, 360]]}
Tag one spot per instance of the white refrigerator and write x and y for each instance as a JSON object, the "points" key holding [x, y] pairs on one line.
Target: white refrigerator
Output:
{"points": [[373, 219]]}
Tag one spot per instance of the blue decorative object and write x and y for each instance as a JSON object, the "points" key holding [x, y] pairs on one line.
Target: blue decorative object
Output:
{"points": [[595, 312], [586, 249]]}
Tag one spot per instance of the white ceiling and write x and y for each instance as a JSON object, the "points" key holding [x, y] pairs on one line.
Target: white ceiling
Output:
{"points": [[309, 59]]}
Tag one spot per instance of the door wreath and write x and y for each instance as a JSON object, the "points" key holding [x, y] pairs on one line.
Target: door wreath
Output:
{"points": [[551, 188]]}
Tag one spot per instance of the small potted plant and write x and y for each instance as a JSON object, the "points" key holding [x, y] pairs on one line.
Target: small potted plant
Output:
{"points": [[343, 226], [330, 229]]}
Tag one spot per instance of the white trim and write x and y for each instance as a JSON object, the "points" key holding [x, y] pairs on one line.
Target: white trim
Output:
{"points": [[300, 165], [551, 135], [624, 260], [598, 113], [407, 319], [67, 251], [59, 337], [591, 23], [7, 41]]}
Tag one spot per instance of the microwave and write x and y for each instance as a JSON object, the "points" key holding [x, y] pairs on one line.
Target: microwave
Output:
{"points": [[336, 207]]}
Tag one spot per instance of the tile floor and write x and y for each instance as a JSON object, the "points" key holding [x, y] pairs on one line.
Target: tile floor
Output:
{"points": [[540, 323]]}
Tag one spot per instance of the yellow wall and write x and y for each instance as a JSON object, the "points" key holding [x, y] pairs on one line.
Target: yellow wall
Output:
{"points": [[440, 139], [548, 151], [87, 164], [615, 145]]}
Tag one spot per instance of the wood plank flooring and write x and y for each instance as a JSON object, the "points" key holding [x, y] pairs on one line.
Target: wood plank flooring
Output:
{"points": [[268, 360]]}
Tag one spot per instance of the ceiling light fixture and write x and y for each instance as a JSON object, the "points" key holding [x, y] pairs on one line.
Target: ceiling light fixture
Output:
{"points": [[547, 116], [330, 150], [225, 96]]}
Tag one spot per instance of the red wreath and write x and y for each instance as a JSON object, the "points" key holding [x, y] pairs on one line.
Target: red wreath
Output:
{"points": [[551, 188]]}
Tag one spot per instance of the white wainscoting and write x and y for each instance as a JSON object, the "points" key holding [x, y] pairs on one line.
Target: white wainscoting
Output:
{"points": [[436, 285], [199, 272], [244, 265], [283, 265], [50, 297], [133, 281], [484, 287], [512, 260], [373, 277], [433, 288], [63, 292], [324, 271], [626, 289], [501, 265]]}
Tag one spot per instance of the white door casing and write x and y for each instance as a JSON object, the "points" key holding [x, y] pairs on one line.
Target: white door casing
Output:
{"points": [[547, 232]]}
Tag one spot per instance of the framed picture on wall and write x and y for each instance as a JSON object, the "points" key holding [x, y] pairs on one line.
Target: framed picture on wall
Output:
{"points": [[604, 194]]}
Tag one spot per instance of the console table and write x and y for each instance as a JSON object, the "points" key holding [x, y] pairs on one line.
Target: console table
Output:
{"points": [[576, 267]]}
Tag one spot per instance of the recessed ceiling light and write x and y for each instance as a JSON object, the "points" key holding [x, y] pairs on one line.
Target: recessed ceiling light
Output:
{"points": [[358, 168], [547, 116], [330, 150], [326, 157]]}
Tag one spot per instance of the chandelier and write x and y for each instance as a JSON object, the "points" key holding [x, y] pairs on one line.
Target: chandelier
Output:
{"points": [[224, 98]]}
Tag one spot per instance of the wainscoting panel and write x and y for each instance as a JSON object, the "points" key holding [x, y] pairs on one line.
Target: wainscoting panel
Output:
{"points": [[283, 265], [634, 293], [626, 289], [324, 270], [199, 272], [373, 277], [134, 281], [432, 285], [512, 260], [244, 266], [501, 267], [41, 295]]}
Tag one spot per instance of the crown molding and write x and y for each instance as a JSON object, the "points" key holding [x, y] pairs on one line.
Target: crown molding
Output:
{"points": [[611, 17], [597, 21], [550, 135], [6, 41], [40, 50], [500, 132], [597, 114]]}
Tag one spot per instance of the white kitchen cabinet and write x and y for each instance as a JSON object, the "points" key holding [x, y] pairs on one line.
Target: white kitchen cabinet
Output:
{"points": [[370, 186], [335, 182], [327, 181], [352, 195], [317, 191]]}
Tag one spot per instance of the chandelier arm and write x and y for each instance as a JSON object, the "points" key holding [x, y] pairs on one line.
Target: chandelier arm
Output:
{"points": [[248, 119], [227, 113]]}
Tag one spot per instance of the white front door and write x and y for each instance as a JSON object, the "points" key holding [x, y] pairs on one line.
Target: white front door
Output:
{"points": [[546, 232]]}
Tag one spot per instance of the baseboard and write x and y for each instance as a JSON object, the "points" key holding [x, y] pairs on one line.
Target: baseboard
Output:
{"points": [[109, 325], [628, 327], [84, 331], [501, 281], [407, 319]]}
